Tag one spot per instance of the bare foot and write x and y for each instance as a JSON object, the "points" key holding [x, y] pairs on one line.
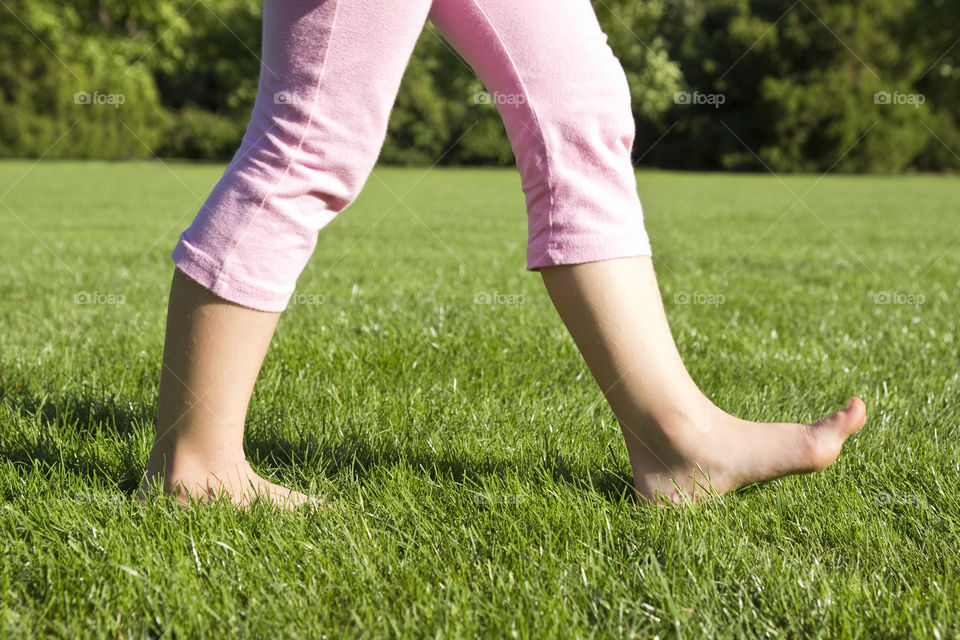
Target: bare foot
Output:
{"points": [[240, 484], [680, 444], [709, 451]]}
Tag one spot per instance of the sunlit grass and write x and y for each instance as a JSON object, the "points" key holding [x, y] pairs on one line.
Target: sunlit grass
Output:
{"points": [[421, 381]]}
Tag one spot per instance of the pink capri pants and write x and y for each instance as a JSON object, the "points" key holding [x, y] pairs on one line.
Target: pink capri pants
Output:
{"points": [[328, 80]]}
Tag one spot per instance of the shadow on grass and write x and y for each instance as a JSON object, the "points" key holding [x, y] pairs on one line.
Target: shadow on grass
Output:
{"points": [[69, 431], [358, 456], [83, 434]]}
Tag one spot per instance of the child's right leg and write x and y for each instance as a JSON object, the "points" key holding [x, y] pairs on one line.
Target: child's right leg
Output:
{"points": [[679, 443], [566, 104]]}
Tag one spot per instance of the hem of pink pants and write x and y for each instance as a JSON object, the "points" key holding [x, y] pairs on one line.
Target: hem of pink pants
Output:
{"points": [[580, 254], [204, 270]]}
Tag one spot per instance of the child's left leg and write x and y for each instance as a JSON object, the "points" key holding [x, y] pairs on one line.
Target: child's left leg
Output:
{"points": [[329, 77]]}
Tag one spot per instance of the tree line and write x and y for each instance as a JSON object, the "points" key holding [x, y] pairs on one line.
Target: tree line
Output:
{"points": [[808, 85]]}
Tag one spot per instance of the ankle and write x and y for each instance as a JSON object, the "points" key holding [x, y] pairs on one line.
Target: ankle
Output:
{"points": [[674, 424], [170, 461]]}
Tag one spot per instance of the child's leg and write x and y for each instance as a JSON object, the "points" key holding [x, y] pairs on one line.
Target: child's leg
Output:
{"points": [[212, 354], [566, 105], [674, 434], [330, 73]]}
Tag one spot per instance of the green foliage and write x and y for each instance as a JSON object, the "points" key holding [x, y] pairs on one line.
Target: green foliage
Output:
{"points": [[198, 133], [939, 23], [50, 98], [798, 84], [797, 81], [189, 74], [106, 79]]}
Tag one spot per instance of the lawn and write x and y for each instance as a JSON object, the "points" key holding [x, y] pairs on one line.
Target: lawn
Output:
{"points": [[421, 382]]}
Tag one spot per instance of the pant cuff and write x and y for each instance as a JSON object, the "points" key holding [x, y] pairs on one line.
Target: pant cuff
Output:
{"points": [[203, 269], [557, 253]]}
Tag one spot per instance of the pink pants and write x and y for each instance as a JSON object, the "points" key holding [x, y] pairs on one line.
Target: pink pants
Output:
{"points": [[329, 76]]}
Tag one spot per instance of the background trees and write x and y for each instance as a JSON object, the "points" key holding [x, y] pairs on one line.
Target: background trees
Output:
{"points": [[717, 84]]}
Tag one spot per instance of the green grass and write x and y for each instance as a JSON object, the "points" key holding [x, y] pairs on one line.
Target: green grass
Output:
{"points": [[482, 479]]}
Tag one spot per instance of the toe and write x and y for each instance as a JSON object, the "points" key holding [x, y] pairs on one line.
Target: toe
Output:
{"points": [[825, 437], [857, 415], [845, 422]]}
